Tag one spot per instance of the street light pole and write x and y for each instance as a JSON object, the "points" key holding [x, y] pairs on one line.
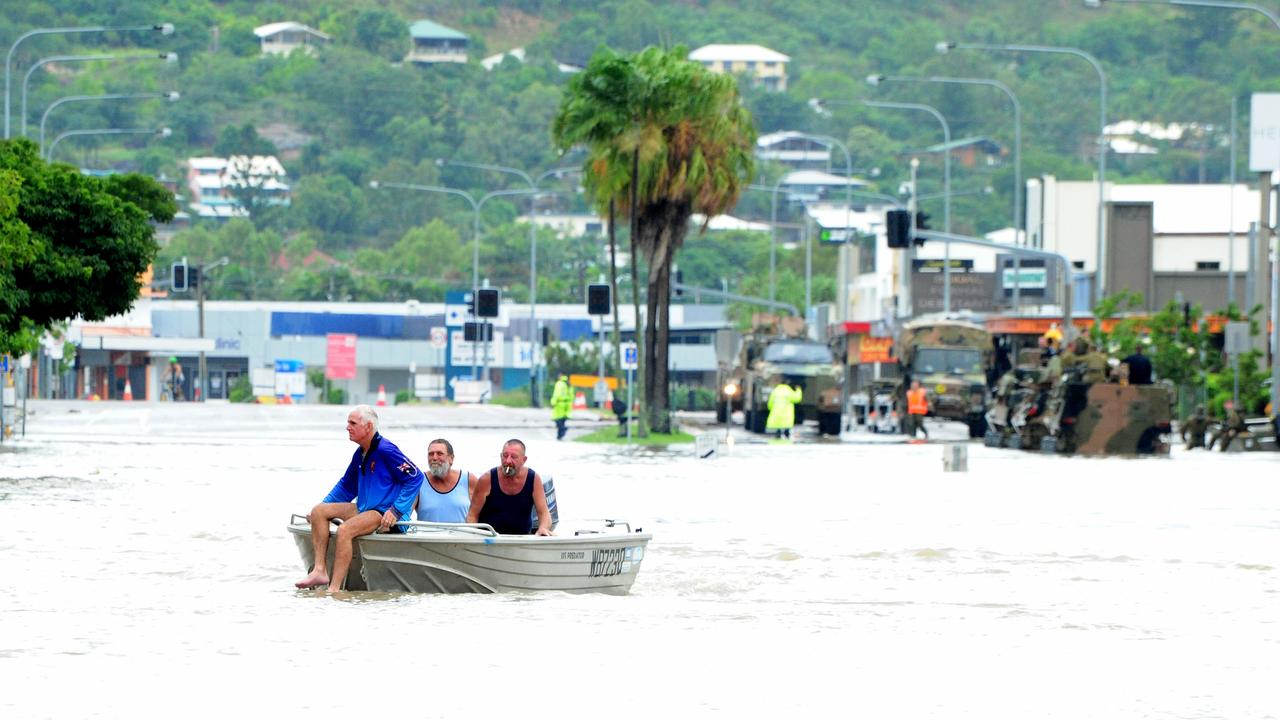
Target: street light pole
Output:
{"points": [[1099, 284], [475, 232], [946, 187], [773, 240], [160, 132], [162, 28], [170, 96], [1271, 15], [1017, 129], [533, 254], [26, 79]]}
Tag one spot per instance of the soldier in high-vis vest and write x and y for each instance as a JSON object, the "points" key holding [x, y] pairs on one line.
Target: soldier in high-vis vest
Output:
{"points": [[917, 408]]}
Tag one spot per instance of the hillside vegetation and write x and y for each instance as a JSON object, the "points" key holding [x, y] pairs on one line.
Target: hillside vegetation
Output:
{"points": [[354, 113]]}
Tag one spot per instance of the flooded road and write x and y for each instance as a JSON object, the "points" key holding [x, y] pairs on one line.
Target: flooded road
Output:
{"points": [[149, 575]]}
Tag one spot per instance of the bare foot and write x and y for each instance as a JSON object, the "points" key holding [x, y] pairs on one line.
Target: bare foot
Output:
{"points": [[315, 579]]}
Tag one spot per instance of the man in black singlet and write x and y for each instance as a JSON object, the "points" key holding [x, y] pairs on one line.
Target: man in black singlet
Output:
{"points": [[506, 496]]}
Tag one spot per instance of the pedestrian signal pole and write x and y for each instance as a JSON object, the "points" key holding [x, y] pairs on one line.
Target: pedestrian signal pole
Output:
{"points": [[599, 303]]}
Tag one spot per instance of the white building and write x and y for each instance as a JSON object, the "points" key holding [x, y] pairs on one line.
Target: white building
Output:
{"points": [[216, 183], [283, 38], [765, 67], [1190, 251]]}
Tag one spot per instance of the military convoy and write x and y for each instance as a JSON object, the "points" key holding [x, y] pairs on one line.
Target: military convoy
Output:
{"points": [[778, 350], [1040, 408], [950, 358]]}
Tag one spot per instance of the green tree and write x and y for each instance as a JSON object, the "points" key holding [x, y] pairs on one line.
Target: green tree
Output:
{"points": [[72, 245], [377, 31], [242, 140], [674, 136]]}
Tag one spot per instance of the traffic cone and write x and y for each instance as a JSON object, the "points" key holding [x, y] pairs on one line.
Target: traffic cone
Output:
{"points": [[382, 396], [580, 401], [128, 390]]}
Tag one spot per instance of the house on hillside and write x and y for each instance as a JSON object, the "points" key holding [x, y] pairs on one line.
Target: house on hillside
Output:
{"points": [[435, 43], [219, 185], [797, 150], [766, 68], [972, 151], [283, 38], [518, 54], [814, 185]]}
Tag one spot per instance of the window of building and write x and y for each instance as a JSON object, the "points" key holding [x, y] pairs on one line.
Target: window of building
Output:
{"points": [[1208, 265]]}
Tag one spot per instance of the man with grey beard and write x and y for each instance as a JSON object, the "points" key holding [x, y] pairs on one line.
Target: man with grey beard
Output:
{"points": [[446, 495]]}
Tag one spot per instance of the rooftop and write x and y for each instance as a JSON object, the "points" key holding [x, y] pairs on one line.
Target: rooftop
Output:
{"points": [[430, 30], [273, 28], [735, 53]]}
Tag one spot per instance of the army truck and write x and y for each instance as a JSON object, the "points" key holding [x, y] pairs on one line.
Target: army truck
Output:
{"points": [[778, 350], [950, 358]]}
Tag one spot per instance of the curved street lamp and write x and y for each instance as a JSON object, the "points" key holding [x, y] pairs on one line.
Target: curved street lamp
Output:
{"points": [[945, 47], [168, 57], [1271, 15], [171, 96], [162, 28], [946, 186], [475, 231], [533, 250], [1017, 127], [158, 132]]}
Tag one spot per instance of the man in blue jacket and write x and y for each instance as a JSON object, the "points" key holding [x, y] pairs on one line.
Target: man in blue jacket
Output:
{"points": [[383, 484]]}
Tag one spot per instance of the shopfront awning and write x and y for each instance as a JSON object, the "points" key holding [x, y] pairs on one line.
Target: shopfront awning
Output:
{"points": [[166, 346]]}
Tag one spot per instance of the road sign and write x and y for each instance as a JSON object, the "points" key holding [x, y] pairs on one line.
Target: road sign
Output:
{"points": [[1264, 132], [1236, 338], [439, 338], [630, 356]]}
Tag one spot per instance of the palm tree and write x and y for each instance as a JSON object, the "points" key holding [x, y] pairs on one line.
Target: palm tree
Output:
{"points": [[666, 138]]}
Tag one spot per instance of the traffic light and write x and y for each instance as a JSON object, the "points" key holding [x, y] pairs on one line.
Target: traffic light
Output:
{"points": [[487, 302], [193, 277], [598, 300], [477, 331], [180, 276], [679, 280], [897, 225], [922, 223], [546, 336]]}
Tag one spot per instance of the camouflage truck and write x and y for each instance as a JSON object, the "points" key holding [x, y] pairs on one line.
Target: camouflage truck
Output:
{"points": [[950, 358], [778, 350]]}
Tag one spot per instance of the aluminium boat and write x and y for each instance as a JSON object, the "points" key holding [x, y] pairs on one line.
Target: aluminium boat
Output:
{"points": [[471, 558]]}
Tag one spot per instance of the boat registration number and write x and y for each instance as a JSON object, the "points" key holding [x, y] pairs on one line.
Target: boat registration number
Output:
{"points": [[607, 562]]}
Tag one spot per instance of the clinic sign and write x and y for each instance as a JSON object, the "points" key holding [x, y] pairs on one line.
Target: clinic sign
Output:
{"points": [[1264, 132], [340, 356]]}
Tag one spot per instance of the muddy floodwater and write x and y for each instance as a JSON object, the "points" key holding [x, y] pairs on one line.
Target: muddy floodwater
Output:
{"points": [[148, 574]]}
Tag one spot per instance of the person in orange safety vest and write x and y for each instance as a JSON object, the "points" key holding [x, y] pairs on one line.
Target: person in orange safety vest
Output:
{"points": [[917, 408]]}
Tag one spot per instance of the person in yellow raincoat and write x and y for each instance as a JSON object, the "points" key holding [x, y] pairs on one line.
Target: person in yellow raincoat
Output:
{"points": [[782, 409], [561, 404]]}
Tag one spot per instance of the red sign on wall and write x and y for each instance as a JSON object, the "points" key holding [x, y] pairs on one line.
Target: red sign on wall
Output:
{"points": [[340, 360]]}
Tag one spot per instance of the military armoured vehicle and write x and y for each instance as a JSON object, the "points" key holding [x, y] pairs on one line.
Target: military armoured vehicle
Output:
{"points": [[950, 358], [777, 350], [1034, 410]]}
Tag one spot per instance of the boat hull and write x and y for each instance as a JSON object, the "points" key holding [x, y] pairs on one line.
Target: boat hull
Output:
{"points": [[441, 560]]}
